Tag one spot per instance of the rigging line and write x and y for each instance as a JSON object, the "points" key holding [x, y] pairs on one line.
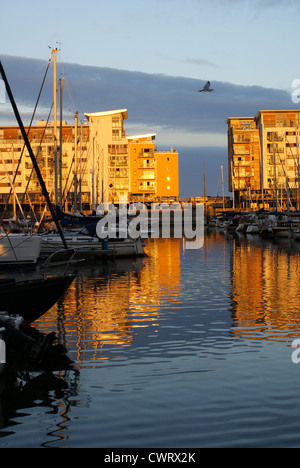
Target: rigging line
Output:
{"points": [[69, 180], [12, 184], [65, 196], [29, 128], [13, 250], [291, 198], [38, 151]]}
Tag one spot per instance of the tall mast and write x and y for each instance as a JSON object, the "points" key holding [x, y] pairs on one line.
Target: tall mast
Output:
{"points": [[286, 179], [93, 175], [223, 188], [76, 161], [298, 164], [80, 169], [61, 144], [55, 124], [275, 176], [204, 181]]}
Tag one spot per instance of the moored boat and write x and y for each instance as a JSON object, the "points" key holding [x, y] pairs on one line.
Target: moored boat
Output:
{"points": [[93, 246], [19, 249], [282, 230], [32, 298]]}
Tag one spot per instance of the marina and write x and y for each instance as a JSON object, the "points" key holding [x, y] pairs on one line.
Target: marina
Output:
{"points": [[177, 349], [135, 312]]}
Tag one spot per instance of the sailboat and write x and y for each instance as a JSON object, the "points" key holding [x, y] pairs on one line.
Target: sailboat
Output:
{"points": [[19, 249], [32, 298]]}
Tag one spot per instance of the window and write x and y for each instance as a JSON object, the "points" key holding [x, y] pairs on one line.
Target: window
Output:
{"points": [[116, 135]]}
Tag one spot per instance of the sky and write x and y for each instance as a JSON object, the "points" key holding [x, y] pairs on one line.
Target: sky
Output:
{"points": [[151, 57]]}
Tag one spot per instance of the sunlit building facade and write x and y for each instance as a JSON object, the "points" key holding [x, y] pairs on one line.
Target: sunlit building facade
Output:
{"points": [[263, 159], [86, 164], [154, 175]]}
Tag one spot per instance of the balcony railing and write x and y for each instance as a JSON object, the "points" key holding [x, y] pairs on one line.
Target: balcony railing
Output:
{"points": [[146, 166], [147, 177], [146, 155], [147, 189]]}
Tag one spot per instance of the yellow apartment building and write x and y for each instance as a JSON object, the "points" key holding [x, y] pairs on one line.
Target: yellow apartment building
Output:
{"points": [[263, 159], [154, 175], [97, 163]]}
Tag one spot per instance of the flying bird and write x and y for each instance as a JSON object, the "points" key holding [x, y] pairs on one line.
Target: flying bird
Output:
{"points": [[206, 88]]}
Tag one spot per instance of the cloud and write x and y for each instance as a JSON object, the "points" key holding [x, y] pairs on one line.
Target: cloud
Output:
{"points": [[197, 61], [258, 3], [169, 105]]}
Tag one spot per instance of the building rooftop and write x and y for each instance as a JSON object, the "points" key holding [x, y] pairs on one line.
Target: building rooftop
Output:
{"points": [[139, 137], [105, 113]]}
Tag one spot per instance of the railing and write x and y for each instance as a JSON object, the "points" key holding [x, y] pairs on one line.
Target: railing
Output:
{"points": [[146, 189], [148, 166], [146, 155], [147, 177]]}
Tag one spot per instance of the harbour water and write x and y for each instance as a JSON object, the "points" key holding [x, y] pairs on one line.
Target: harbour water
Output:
{"points": [[182, 349]]}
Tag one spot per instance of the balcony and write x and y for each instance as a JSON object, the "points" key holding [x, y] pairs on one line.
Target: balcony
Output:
{"points": [[147, 189], [146, 154], [118, 161], [147, 166], [147, 177]]}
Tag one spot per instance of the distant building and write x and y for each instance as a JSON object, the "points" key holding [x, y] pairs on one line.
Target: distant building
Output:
{"points": [[98, 162], [263, 159]]}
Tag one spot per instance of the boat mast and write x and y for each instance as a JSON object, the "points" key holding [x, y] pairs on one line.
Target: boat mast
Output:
{"points": [[223, 188], [275, 175], [76, 161], [204, 180], [298, 164], [286, 179], [61, 143], [54, 51], [32, 157]]}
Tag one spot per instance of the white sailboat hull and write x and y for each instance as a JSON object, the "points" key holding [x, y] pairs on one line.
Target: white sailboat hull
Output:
{"points": [[19, 249], [253, 229], [91, 246]]}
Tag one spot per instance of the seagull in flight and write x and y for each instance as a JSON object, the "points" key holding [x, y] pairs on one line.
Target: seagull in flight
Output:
{"points": [[206, 88]]}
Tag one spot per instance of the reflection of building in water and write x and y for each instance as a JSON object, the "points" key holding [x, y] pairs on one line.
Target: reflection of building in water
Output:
{"points": [[103, 309], [162, 275], [265, 290]]}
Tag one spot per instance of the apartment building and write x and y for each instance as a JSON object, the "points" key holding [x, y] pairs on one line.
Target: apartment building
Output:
{"points": [[17, 175], [263, 159], [87, 164], [154, 175], [244, 158]]}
